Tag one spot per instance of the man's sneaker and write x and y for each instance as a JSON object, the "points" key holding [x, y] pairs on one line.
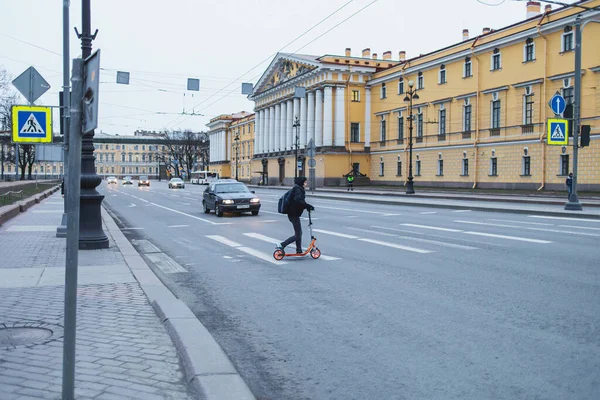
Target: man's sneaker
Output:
{"points": [[279, 247], [299, 251]]}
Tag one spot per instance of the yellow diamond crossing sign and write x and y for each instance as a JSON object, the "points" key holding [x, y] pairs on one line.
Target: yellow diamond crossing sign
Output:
{"points": [[32, 124], [558, 131]]}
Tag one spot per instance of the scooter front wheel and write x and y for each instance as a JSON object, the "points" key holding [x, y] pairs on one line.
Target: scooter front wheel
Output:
{"points": [[315, 253], [278, 254]]}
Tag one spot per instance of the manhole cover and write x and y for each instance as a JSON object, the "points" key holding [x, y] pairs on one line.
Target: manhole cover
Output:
{"points": [[28, 334]]}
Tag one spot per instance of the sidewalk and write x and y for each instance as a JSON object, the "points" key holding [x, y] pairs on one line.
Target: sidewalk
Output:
{"points": [[123, 349], [477, 202]]}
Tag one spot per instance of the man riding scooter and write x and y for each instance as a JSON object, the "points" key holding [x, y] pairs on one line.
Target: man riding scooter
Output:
{"points": [[297, 206]]}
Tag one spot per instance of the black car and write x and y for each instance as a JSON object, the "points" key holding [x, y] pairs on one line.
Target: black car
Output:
{"points": [[229, 196]]}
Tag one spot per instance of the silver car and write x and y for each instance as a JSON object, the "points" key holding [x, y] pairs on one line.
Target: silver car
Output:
{"points": [[176, 183]]}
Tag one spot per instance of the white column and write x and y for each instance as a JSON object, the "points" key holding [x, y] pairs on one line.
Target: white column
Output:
{"points": [[283, 130], [368, 118], [221, 146], [319, 118], [328, 117], [272, 129], [256, 127], [310, 123], [303, 126], [296, 115], [290, 120], [340, 117], [277, 141], [263, 130], [267, 131], [211, 147]]}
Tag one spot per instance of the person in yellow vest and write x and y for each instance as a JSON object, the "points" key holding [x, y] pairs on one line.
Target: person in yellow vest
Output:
{"points": [[350, 179]]}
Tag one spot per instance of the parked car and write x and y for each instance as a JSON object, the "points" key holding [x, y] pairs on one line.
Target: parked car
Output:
{"points": [[176, 183], [127, 181], [112, 179], [144, 180], [229, 196]]}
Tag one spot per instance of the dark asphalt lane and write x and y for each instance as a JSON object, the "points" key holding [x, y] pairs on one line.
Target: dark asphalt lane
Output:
{"points": [[411, 303]]}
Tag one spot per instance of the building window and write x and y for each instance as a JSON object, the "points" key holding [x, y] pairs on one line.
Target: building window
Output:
{"points": [[496, 114], [112, 169], [528, 109], [529, 51], [567, 40], [420, 81], [465, 167], [106, 147], [381, 166], [112, 157], [493, 166], [564, 164], [149, 157], [137, 170], [144, 148], [467, 111], [399, 167], [440, 170], [568, 94], [355, 95], [355, 132], [123, 157], [143, 157], [442, 75], [135, 147], [383, 128], [118, 147], [122, 170], [467, 68], [383, 91], [418, 168], [401, 86], [400, 127], [496, 60], [526, 170], [420, 124], [130, 157], [442, 122]]}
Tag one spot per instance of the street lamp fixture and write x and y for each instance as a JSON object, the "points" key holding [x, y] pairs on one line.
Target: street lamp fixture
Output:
{"points": [[411, 95], [296, 125]]}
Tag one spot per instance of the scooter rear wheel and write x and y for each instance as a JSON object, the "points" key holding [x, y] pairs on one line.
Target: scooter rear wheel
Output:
{"points": [[315, 253], [278, 254]]}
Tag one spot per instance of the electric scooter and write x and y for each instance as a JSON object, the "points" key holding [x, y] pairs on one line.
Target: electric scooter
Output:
{"points": [[312, 248]]}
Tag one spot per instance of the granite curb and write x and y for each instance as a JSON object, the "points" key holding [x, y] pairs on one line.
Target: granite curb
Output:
{"points": [[11, 211], [208, 370], [421, 202]]}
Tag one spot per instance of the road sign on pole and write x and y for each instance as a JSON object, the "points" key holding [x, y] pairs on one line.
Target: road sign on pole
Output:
{"points": [[558, 132], [558, 104], [31, 124], [31, 84], [91, 87]]}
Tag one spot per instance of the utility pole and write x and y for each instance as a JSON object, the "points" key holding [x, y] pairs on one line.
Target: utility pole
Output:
{"points": [[91, 235], [573, 203], [297, 142]]}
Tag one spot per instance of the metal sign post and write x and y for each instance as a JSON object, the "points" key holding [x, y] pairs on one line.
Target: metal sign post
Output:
{"points": [[311, 152], [72, 260]]}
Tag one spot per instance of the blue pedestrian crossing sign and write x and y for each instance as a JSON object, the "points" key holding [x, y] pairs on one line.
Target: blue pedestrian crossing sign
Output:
{"points": [[558, 132], [31, 124], [557, 104]]}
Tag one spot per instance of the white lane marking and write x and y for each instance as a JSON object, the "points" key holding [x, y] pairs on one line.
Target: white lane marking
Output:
{"points": [[565, 218], [306, 218], [131, 205], [396, 246], [439, 236], [223, 240], [267, 220], [351, 210], [276, 242], [228, 257], [192, 216], [336, 234], [139, 198], [185, 204], [189, 198], [390, 215], [428, 212], [443, 244], [522, 239], [261, 255], [580, 227], [177, 226], [520, 222], [435, 228], [461, 211], [351, 216], [527, 228]]}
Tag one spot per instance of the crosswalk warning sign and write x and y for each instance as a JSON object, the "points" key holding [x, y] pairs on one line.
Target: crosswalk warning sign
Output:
{"points": [[558, 132], [32, 124]]}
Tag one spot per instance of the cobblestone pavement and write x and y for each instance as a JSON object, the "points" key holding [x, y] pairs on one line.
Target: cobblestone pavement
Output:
{"points": [[123, 352]]}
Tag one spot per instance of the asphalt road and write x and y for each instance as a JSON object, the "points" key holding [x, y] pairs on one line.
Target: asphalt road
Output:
{"points": [[405, 303]]}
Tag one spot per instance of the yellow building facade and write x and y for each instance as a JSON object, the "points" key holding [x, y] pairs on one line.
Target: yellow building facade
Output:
{"points": [[480, 119]]}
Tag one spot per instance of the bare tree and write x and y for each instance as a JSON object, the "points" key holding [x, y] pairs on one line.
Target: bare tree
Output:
{"points": [[182, 151], [8, 98]]}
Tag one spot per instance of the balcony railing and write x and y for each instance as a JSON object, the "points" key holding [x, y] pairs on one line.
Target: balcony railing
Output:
{"points": [[419, 139], [442, 137], [526, 129], [495, 132], [466, 135]]}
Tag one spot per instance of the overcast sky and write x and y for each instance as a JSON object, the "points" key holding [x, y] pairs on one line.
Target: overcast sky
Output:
{"points": [[223, 43]]}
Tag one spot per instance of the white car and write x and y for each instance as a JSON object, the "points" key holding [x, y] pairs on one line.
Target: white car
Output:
{"points": [[112, 179]]}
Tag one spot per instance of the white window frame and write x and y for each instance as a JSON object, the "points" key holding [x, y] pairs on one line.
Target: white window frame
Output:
{"points": [[492, 114], [381, 167], [499, 55], [470, 62], [418, 168], [440, 167], [440, 120], [400, 123], [420, 82], [358, 97], [401, 86], [492, 159], [383, 94], [357, 123], [465, 171], [383, 129], [464, 114], [523, 165], [445, 75], [399, 164], [525, 60], [525, 108], [562, 41], [419, 127]]}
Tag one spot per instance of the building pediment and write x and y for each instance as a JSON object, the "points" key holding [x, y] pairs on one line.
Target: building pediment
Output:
{"points": [[284, 68]]}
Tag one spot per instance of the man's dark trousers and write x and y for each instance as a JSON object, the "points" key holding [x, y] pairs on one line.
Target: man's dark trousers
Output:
{"points": [[297, 237]]}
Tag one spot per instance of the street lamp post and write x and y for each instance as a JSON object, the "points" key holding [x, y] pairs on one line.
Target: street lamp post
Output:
{"points": [[237, 157], [297, 143], [410, 95]]}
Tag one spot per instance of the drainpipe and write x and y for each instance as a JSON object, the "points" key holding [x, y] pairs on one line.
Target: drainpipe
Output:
{"points": [[406, 155], [544, 110], [476, 112]]}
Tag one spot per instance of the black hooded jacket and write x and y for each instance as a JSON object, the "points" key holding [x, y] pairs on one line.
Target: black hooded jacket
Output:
{"points": [[298, 201]]}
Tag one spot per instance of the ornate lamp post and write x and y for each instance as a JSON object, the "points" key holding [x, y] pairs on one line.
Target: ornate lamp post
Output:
{"points": [[410, 95]]}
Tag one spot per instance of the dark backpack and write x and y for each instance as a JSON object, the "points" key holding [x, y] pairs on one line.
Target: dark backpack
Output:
{"points": [[283, 207]]}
